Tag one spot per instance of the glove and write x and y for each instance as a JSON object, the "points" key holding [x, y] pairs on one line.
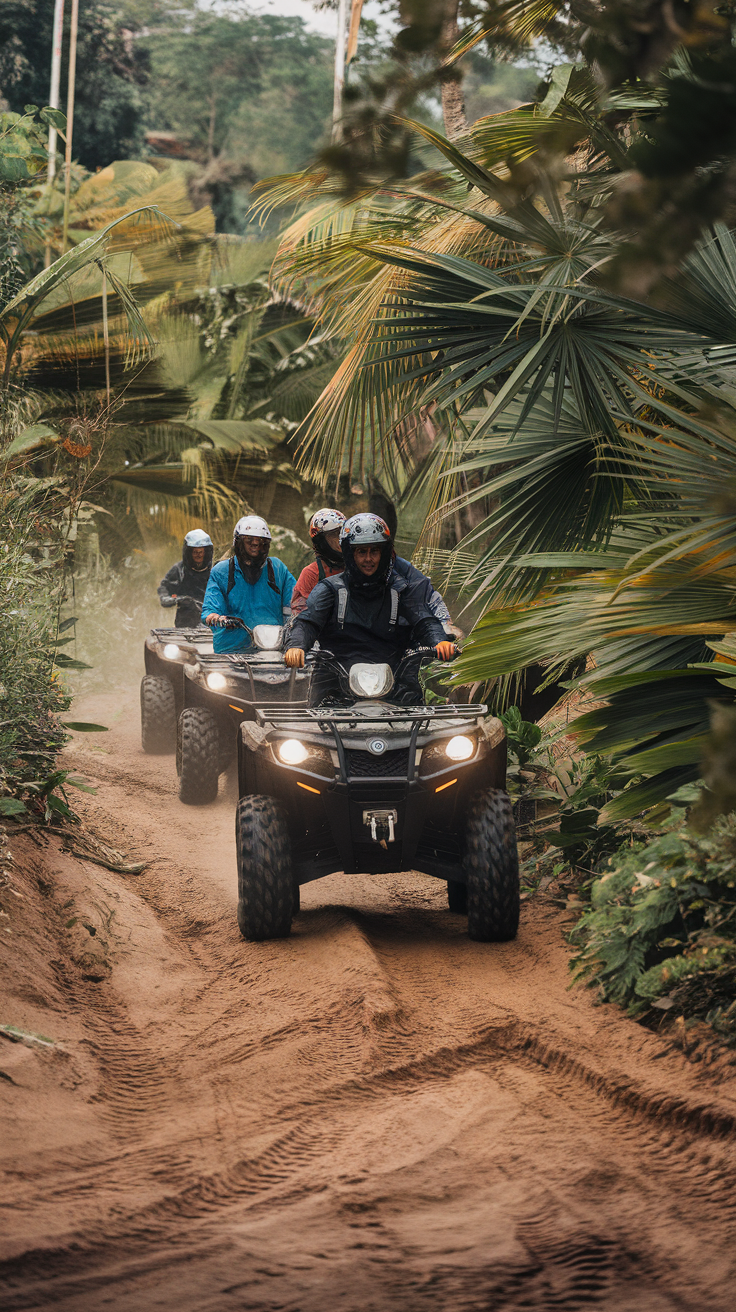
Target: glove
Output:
{"points": [[294, 657], [445, 651], [166, 602]]}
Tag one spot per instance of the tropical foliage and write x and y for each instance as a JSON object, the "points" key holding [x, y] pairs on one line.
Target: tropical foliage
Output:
{"points": [[581, 449], [111, 73], [45, 473], [661, 928]]}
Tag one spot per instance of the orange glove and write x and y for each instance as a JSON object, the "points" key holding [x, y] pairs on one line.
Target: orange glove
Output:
{"points": [[294, 657], [445, 651]]}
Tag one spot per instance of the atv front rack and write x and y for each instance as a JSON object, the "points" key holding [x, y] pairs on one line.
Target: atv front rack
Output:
{"points": [[199, 634], [258, 671], [345, 716], [239, 659], [332, 719]]}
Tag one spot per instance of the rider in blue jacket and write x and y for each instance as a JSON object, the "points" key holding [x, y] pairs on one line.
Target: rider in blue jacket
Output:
{"points": [[250, 586]]}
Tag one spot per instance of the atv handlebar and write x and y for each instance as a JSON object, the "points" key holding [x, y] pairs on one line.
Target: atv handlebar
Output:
{"points": [[419, 654], [228, 622], [415, 656]]}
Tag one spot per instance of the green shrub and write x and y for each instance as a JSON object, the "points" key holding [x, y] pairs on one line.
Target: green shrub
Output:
{"points": [[664, 913], [32, 695]]}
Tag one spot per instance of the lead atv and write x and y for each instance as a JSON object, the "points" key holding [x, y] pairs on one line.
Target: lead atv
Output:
{"points": [[166, 653], [221, 690], [365, 784]]}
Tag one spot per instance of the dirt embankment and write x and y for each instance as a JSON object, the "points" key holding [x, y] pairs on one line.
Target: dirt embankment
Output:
{"points": [[374, 1114]]}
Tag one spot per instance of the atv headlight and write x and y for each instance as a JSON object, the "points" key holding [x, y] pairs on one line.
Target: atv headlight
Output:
{"points": [[216, 681], [371, 680], [292, 752], [268, 636], [460, 748], [171, 651]]}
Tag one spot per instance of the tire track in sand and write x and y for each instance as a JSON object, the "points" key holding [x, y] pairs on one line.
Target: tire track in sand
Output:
{"points": [[373, 1114]]}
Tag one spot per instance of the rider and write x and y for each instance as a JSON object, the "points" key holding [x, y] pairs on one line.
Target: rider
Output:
{"points": [[184, 585], [324, 530], [356, 615], [251, 586]]}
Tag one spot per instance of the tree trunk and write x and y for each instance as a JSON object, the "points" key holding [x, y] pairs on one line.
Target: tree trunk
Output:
{"points": [[453, 103], [211, 129]]}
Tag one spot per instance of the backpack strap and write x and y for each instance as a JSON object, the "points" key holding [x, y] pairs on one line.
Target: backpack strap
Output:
{"points": [[342, 606], [394, 608], [320, 570], [272, 577], [230, 576]]}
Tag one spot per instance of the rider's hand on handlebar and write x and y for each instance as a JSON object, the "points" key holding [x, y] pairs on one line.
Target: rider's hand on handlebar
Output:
{"points": [[294, 657], [445, 651], [214, 620]]}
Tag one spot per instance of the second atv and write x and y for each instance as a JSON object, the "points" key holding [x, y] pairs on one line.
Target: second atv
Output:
{"points": [[221, 690]]}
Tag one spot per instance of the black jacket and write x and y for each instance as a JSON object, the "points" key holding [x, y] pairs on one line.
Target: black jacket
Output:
{"points": [[371, 629], [184, 582]]}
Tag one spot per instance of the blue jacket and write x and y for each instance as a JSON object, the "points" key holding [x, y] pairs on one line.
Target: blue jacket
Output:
{"points": [[254, 603]]}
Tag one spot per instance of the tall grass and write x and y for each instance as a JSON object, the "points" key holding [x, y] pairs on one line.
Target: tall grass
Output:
{"points": [[32, 693]]}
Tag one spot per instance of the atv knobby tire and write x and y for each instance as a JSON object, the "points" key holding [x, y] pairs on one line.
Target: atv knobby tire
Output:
{"points": [[158, 716], [492, 868], [267, 896], [197, 756], [457, 896]]}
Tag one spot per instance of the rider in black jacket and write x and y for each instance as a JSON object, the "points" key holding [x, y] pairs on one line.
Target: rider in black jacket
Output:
{"points": [[184, 585], [357, 614]]}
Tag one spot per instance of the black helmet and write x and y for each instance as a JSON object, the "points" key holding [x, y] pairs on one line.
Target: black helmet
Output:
{"points": [[323, 522], [197, 538], [366, 530]]}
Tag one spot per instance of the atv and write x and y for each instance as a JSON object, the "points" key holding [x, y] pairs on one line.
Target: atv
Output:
{"points": [[166, 653], [361, 783], [221, 690]]}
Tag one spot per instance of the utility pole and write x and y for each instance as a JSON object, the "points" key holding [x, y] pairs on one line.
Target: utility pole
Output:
{"points": [[70, 119], [55, 80], [58, 32], [342, 24]]}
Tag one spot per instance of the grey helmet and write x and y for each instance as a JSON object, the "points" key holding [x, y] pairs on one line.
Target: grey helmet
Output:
{"points": [[366, 530], [196, 537]]}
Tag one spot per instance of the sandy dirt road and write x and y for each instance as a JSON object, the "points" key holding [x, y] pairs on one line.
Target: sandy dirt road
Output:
{"points": [[374, 1114]]}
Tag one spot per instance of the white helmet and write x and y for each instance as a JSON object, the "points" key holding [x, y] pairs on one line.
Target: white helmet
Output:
{"points": [[325, 521], [251, 526], [197, 537]]}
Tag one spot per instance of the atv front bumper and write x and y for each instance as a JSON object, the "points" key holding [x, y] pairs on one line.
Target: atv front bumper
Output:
{"points": [[338, 824]]}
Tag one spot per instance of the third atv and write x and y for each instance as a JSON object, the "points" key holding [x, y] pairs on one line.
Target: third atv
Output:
{"points": [[166, 653]]}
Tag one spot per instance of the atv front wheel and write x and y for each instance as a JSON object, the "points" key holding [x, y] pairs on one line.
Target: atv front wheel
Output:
{"points": [[197, 756], [267, 897], [492, 868], [158, 716]]}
